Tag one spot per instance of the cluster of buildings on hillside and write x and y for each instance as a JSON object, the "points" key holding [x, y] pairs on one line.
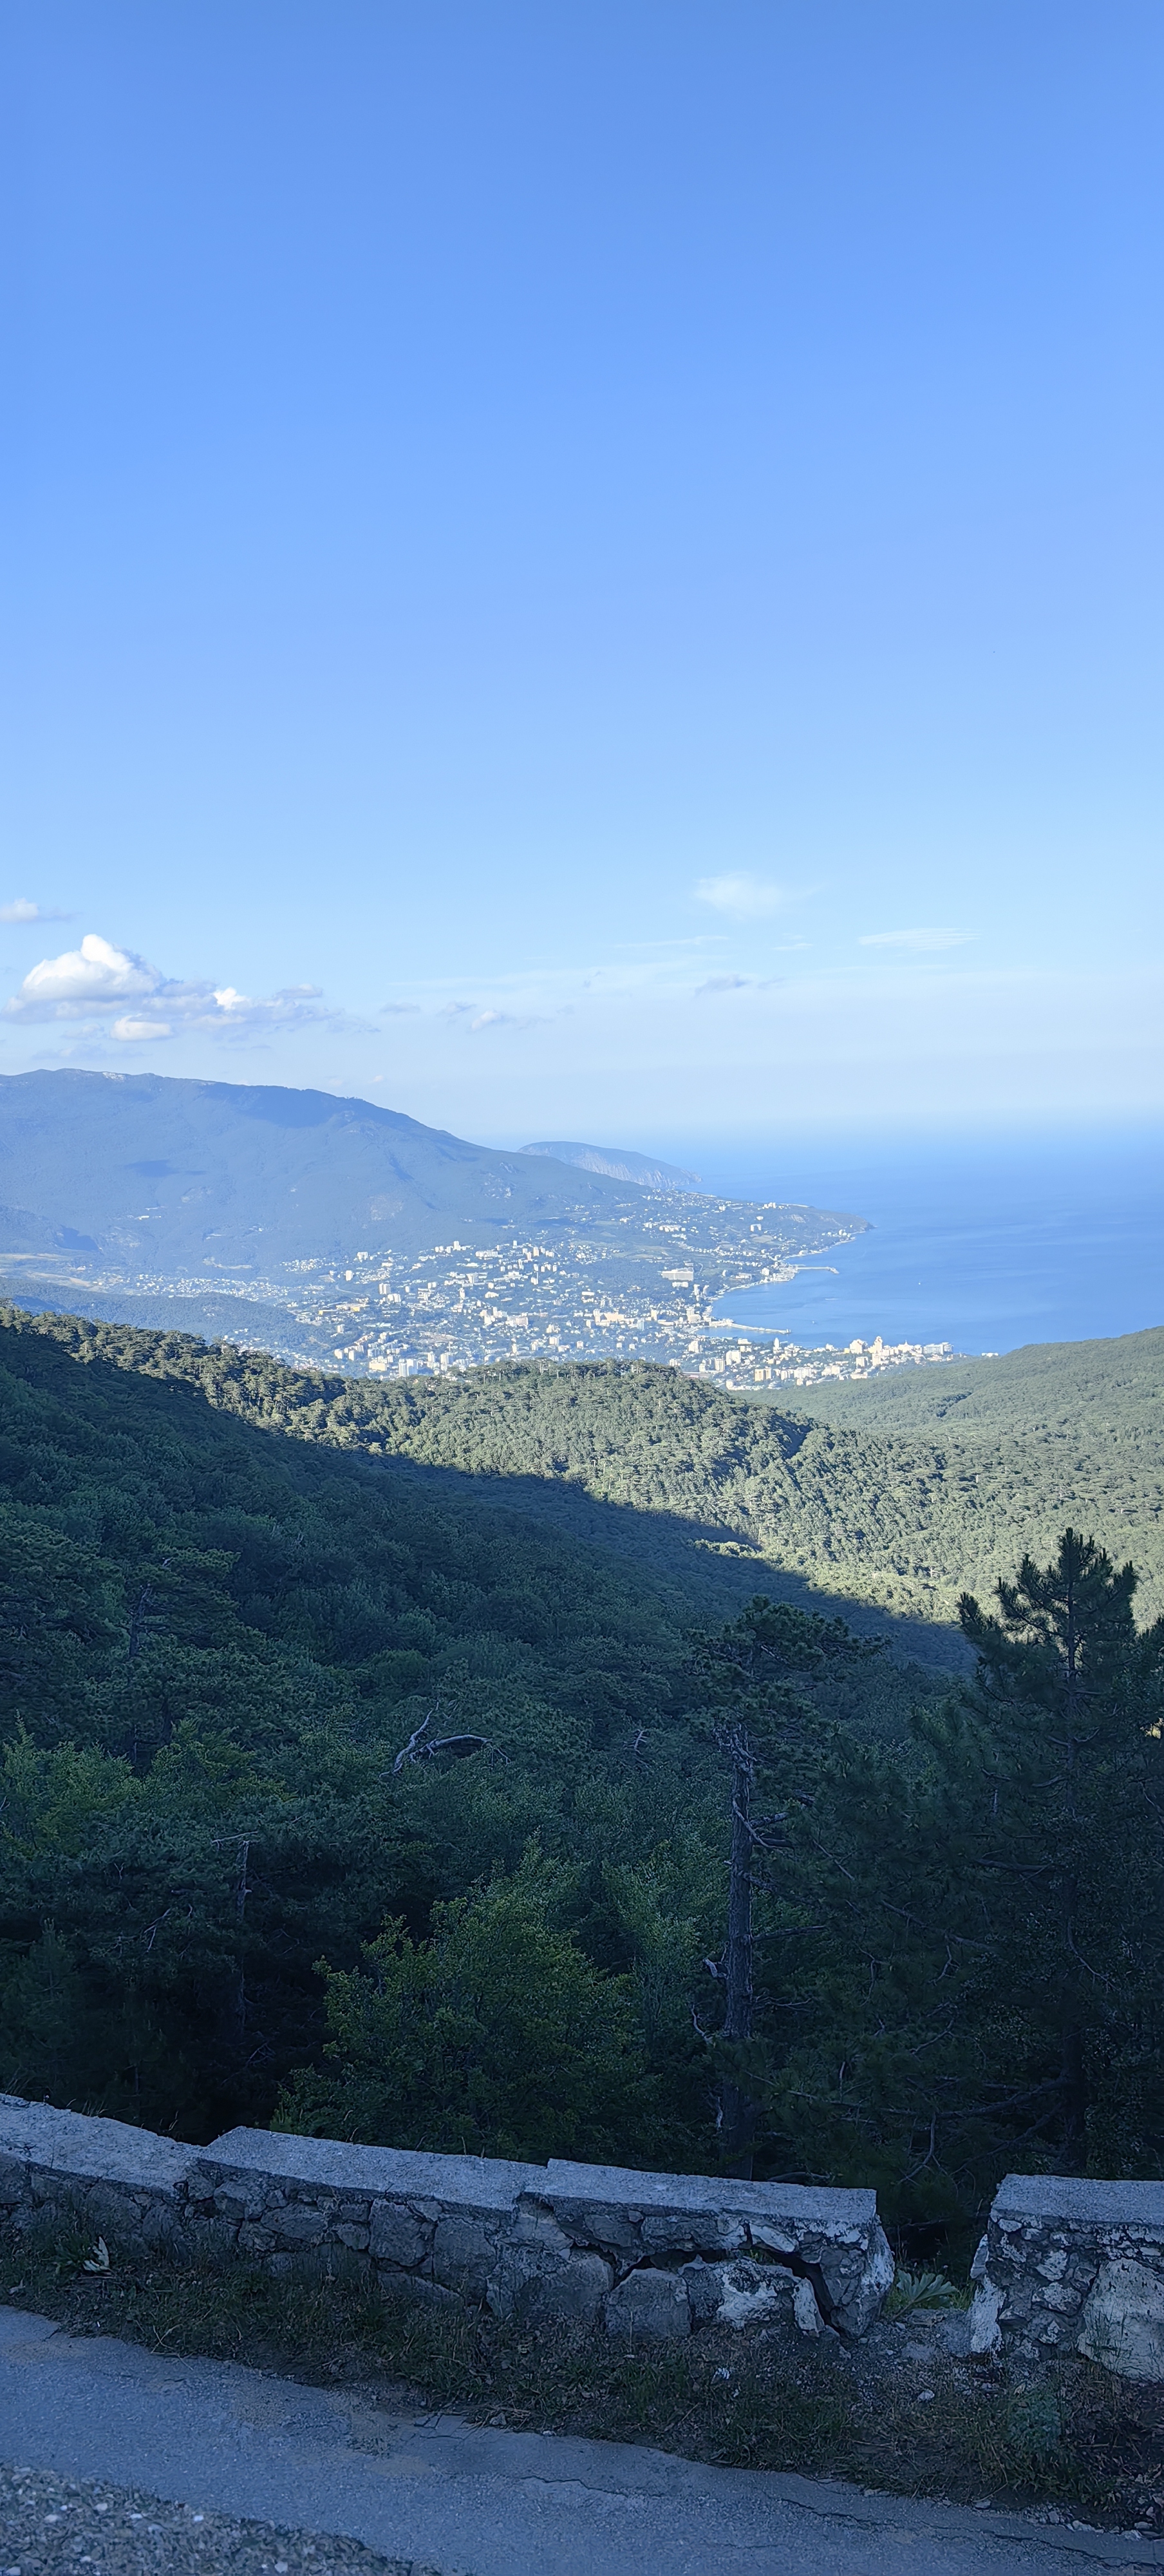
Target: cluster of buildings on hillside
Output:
{"points": [[649, 1295], [749, 1365], [454, 1309]]}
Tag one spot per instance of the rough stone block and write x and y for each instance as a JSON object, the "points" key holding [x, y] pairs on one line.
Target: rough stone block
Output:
{"points": [[297, 2226], [739, 2293], [137, 2219], [805, 2309], [463, 2256], [779, 2240], [536, 2225], [592, 2223], [985, 2329], [567, 2291], [395, 2237], [254, 2240], [649, 2303], [575, 2289], [1123, 2321], [708, 2232], [704, 2288]]}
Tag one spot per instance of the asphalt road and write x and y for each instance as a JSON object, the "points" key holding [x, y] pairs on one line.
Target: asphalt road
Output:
{"points": [[466, 2500]]}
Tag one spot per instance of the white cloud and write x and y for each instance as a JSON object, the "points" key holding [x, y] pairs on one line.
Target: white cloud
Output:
{"points": [[94, 980], [289, 1008], [744, 897], [84, 980], [23, 910], [916, 939], [130, 1031]]}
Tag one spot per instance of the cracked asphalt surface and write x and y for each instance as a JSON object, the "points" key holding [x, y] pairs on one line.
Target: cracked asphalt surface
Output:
{"points": [[298, 2479]]}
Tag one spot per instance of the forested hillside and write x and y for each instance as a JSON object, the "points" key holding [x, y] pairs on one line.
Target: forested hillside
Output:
{"points": [[1112, 1388], [869, 1510], [354, 1792], [212, 1652]]}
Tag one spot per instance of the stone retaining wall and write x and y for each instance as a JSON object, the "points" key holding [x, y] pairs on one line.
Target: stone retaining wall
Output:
{"points": [[1073, 2266], [643, 2253]]}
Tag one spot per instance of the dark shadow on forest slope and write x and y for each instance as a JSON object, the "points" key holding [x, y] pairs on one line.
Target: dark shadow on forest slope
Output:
{"points": [[703, 1564], [704, 1571]]}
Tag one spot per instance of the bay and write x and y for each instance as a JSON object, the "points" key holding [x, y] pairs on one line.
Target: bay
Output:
{"points": [[986, 1242]]}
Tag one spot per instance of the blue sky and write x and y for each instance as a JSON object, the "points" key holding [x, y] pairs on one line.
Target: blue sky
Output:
{"points": [[589, 570]]}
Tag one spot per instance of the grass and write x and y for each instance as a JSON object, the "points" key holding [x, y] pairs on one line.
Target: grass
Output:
{"points": [[1086, 2444]]}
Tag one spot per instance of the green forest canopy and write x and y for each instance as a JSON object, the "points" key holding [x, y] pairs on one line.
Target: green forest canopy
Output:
{"points": [[223, 1897], [896, 1505]]}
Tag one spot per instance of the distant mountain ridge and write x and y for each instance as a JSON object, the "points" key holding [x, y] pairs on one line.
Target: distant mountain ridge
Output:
{"points": [[621, 1164], [173, 1176]]}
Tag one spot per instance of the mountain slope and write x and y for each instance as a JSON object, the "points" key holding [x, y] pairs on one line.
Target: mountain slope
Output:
{"points": [[214, 1642], [901, 1522], [165, 1179], [1115, 1385], [172, 1175]]}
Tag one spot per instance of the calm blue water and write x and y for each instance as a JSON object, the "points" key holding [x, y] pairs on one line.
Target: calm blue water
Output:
{"points": [[986, 1245]]}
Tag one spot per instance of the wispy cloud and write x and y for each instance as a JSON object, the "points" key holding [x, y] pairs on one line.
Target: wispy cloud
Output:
{"points": [[742, 897], [479, 1019], [96, 980], [507, 1020], [21, 910], [916, 939], [737, 984]]}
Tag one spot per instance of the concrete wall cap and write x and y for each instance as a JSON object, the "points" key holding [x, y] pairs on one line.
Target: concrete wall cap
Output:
{"points": [[384, 2173], [804, 2207], [76, 2148], [1084, 2203]]}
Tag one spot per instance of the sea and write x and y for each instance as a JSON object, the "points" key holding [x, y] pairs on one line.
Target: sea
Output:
{"points": [[985, 1242]]}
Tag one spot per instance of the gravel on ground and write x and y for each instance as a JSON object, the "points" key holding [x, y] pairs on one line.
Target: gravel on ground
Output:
{"points": [[49, 2523]]}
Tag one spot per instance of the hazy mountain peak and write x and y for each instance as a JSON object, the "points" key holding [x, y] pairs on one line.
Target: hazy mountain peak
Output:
{"points": [[621, 1163]]}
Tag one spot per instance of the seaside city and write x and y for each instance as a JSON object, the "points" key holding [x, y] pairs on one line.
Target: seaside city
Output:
{"points": [[458, 1307]]}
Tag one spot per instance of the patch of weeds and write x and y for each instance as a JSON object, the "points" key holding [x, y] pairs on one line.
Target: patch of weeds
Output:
{"points": [[1034, 2421], [922, 2290]]}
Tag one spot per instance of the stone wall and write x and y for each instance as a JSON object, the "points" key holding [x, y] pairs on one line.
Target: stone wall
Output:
{"points": [[641, 2253], [1073, 2266]]}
